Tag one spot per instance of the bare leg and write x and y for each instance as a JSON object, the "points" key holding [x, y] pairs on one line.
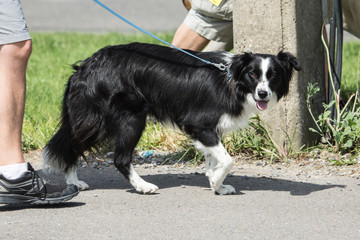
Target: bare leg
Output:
{"points": [[13, 62], [186, 38]]}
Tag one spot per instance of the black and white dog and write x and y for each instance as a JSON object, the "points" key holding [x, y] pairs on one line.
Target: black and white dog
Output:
{"points": [[110, 95]]}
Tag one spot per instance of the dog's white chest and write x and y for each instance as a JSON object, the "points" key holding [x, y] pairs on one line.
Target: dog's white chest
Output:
{"points": [[228, 123]]}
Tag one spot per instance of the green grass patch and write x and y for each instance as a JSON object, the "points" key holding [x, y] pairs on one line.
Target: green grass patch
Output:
{"points": [[350, 80]]}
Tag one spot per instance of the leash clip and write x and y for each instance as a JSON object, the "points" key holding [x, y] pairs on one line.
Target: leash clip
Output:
{"points": [[220, 66], [223, 67]]}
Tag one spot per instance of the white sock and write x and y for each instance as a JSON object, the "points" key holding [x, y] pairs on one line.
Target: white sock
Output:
{"points": [[13, 171]]}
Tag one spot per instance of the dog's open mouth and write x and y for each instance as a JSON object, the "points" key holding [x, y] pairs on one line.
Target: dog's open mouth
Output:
{"points": [[261, 105]]}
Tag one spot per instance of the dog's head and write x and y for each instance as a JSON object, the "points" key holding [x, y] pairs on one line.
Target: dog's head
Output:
{"points": [[263, 79]]}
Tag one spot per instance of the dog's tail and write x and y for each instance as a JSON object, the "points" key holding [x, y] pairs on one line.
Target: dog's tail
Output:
{"points": [[61, 152], [81, 129]]}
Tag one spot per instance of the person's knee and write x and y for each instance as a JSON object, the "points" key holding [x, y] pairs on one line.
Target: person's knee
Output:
{"points": [[25, 48], [18, 50]]}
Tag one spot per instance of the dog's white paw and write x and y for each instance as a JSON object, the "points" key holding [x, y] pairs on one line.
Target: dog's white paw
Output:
{"points": [[80, 184], [147, 188], [225, 190]]}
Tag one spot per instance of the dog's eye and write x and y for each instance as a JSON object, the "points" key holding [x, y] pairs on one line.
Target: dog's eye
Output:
{"points": [[252, 75], [272, 76]]}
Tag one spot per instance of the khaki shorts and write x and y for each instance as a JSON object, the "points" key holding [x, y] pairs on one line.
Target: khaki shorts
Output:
{"points": [[211, 22], [12, 22]]}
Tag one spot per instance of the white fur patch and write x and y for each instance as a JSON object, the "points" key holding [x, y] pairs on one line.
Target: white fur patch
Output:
{"points": [[140, 184], [71, 178], [264, 84], [227, 57], [229, 123], [265, 63], [218, 165], [51, 163]]}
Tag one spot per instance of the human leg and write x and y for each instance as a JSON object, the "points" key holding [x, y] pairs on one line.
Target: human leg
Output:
{"points": [[187, 38], [208, 26], [13, 63], [19, 182]]}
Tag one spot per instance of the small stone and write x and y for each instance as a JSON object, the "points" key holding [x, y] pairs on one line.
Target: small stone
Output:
{"points": [[261, 163], [109, 155], [166, 168], [158, 160]]}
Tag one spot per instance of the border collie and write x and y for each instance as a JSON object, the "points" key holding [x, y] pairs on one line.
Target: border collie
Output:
{"points": [[110, 95]]}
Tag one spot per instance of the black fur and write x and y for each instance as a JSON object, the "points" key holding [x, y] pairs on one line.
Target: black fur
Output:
{"points": [[110, 95]]}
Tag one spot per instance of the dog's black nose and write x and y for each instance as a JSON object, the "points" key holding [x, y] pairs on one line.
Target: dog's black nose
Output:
{"points": [[262, 94]]}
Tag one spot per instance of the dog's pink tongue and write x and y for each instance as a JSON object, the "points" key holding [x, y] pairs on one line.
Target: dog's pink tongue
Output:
{"points": [[261, 105]]}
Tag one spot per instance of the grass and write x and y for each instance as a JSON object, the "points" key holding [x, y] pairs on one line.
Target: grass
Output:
{"points": [[50, 66], [350, 81]]}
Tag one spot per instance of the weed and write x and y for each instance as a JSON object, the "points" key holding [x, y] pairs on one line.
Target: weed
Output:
{"points": [[257, 141], [343, 132]]}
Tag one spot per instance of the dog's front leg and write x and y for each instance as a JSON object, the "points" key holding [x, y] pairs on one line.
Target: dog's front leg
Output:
{"points": [[218, 165]]}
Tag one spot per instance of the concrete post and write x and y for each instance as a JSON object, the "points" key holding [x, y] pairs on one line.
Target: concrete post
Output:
{"points": [[293, 26]]}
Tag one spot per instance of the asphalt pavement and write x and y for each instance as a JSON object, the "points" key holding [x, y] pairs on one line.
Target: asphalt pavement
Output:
{"points": [[272, 202]]}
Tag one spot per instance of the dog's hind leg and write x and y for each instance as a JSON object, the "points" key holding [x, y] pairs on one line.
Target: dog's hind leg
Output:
{"points": [[123, 163], [71, 178], [128, 136], [218, 165]]}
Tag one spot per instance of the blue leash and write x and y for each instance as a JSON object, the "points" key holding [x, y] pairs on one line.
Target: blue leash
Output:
{"points": [[220, 66]]}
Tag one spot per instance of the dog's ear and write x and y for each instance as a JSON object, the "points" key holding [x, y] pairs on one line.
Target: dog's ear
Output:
{"points": [[288, 61], [289, 64], [239, 63]]}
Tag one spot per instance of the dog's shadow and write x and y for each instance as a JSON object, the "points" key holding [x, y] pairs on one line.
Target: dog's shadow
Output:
{"points": [[109, 178]]}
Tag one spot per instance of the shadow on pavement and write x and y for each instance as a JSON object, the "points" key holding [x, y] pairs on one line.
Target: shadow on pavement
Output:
{"points": [[241, 183], [8, 208], [109, 178]]}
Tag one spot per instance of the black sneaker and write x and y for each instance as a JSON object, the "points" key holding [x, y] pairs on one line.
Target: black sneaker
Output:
{"points": [[30, 188]]}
